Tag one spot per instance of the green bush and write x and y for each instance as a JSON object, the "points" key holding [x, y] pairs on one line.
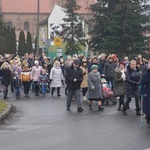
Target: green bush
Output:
{"points": [[3, 106]]}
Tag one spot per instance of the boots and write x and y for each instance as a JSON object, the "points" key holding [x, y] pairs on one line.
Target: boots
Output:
{"points": [[100, 108], [80, 109], [148, 119], [58, 91], [4, 94], [66, 91], [138, 113], [52, 92], [90, 106], [124, 111], [119, 108], [84, 98]]}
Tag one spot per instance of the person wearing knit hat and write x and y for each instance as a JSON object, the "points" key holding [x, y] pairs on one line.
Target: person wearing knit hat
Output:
{"points": [[94, 67], [35, 74], [145, 88], [94, 87], [111, 57], [120, 84], [36, 62], [121, 62]]}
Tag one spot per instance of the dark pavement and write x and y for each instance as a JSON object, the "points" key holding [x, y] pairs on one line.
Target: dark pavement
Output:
{"points": [[42, 123]]}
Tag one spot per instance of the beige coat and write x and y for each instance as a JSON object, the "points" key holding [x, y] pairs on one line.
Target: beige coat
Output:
{"points": [[84, 83]]}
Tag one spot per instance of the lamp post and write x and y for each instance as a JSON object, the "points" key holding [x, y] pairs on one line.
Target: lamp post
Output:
{"points": [[38, 12]]}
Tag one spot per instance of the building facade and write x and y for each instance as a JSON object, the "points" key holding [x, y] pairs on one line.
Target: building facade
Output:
{"points": [[23, 14], [52, 25]]}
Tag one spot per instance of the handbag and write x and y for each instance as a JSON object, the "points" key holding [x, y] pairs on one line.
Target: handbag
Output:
{"points": [[117, 91], [1, 78]]}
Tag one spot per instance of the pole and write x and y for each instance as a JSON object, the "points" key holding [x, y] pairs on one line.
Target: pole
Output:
{"points": [[0, 7], [38, 12]]}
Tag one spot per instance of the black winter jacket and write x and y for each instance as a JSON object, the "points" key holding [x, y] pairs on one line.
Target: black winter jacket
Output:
{"points": [[6, 73], [71, 74], [132, 79], [109, 70]]}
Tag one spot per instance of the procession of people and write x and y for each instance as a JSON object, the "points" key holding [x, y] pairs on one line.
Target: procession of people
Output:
{"points": [[99, 79]]}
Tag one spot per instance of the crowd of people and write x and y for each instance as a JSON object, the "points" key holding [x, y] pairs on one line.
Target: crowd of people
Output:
{"points": [[84, 78]]}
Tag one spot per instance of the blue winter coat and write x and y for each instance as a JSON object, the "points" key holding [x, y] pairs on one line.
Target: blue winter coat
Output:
{"points": [[145, 89]]}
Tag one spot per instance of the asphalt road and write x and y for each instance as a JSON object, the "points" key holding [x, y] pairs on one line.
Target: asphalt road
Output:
{"points": [[42, 123]]}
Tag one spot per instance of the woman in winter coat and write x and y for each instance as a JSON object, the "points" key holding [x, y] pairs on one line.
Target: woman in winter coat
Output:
{"points": [[56, 78], [35, 73], [17, 68], [132, 86], [5, 73], [94, 87], [145, 91], [84, 84], [120, 85]]}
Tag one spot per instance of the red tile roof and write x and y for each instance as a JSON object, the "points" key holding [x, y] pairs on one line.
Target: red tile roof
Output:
{"points": [[30, 6]]}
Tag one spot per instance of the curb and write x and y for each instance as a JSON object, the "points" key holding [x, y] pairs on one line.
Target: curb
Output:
{"points": [[6, 112]]}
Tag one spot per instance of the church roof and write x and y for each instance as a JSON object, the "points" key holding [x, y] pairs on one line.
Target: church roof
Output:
{"points": [[46, 6]]}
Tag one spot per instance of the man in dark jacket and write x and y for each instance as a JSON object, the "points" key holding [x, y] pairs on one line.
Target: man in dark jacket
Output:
{"points": [[109, 71], [132, 86], [74, 78]]}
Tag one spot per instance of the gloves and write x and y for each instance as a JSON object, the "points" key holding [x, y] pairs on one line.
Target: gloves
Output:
{"points": [[93, 88], [62, 82]]}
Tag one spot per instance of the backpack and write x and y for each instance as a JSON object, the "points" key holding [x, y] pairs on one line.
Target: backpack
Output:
{"points": [[25, 76]]}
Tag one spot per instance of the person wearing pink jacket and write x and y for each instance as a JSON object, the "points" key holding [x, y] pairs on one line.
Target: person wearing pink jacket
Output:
{"points": [[35, 74]]}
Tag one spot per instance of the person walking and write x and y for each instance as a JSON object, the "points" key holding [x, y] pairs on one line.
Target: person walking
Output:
{"points": [[109, 71], [132, 87], [35, 73], [43, 81], [56, 78], [25, 79], [120, 84], [94, 87], [145, 91], [17, 84], [84, 84], [6, 76], [74, 78]]}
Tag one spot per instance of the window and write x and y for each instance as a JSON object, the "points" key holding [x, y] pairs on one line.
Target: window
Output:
{"points": [[9, 24], [26, 26]]}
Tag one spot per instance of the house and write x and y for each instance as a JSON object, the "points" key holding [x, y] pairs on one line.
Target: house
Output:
{"points": [[47, 32]]}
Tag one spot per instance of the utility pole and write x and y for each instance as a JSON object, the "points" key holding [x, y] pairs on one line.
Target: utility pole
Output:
{"points": [[0, 7], [38, 13]]}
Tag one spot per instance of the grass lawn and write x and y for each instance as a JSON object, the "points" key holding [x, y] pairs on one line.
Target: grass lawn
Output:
{"points": [[2, 106]]}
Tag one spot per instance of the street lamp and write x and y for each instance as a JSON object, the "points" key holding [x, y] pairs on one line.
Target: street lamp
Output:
{"points": [[38, 12]]}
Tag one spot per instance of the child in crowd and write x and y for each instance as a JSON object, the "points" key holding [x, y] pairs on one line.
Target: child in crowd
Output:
{"points": [[17, 84], [43, 80]]}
